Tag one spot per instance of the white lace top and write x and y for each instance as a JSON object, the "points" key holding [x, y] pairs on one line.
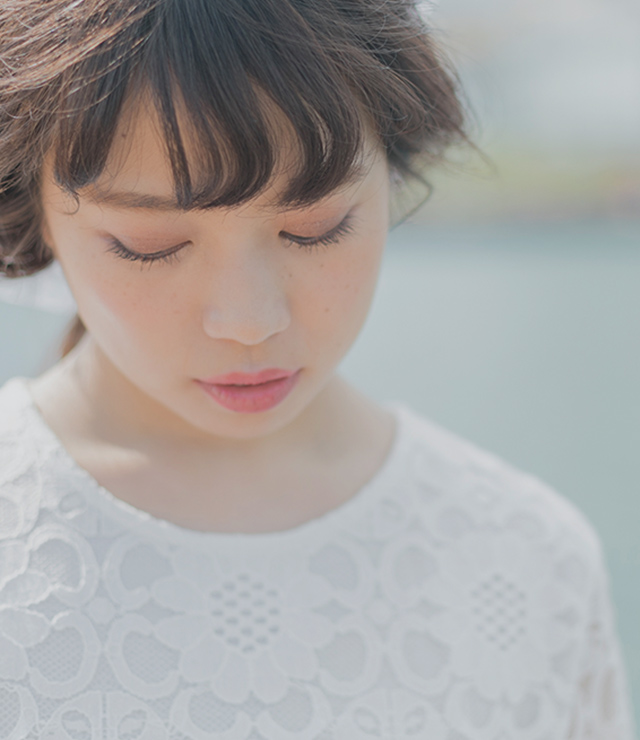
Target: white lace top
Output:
{"points": [[453, 598]]}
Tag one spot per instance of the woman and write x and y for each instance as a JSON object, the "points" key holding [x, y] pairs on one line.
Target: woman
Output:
{"points": [[207, 533]]}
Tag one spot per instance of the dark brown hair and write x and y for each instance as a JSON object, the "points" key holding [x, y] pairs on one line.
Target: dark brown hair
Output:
{"points": [[332, 67]]}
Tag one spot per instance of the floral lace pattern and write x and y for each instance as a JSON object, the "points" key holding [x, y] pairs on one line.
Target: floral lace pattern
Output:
{"points": [[453, 598]]}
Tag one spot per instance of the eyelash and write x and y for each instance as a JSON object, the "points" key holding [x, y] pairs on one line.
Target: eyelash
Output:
{"points": [[344, 228], [118, 248], [309, 244]]}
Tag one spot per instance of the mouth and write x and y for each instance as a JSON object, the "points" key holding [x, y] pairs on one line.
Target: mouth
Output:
{"points": [[251, 392], [264, 376]]}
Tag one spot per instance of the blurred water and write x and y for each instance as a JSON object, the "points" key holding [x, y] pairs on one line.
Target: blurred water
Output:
{"points": [[523, 339]]}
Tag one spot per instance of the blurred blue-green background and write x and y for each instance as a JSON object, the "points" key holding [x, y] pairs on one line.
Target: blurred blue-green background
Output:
{"points": [[508, 306]]}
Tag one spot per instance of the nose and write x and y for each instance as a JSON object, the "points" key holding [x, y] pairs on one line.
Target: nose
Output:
{"points": [[246, 300]]}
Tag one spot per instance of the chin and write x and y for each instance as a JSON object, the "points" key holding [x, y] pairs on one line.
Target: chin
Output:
{"points": [[219, 422]]}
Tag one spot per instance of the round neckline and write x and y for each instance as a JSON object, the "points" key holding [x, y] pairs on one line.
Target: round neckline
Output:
{"points": [[131, 516]]}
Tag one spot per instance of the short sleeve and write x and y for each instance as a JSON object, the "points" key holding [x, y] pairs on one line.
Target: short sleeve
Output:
{"points": [[602, 708]]}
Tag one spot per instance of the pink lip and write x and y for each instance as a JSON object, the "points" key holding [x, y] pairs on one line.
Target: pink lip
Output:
{"points": [[264, 376], [251, 392]]}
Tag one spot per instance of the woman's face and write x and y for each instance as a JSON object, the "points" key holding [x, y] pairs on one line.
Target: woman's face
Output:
{"points": [[243, 289]]}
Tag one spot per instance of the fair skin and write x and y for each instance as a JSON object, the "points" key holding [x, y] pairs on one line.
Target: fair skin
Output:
{"points": [[241, 295]]}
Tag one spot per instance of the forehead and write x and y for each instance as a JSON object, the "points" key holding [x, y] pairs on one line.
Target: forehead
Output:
{"points": [[138, 174]]}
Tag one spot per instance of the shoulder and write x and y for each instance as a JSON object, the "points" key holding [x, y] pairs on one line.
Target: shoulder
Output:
{"points": [[13, 400], [16, 418], [463, 489], [21, 468], [512, 565]]}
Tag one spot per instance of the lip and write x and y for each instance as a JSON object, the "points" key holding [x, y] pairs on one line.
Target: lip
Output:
{"points": [[251, 393], [264, 376]]}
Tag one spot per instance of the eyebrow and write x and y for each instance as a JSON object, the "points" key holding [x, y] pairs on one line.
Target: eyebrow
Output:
{"points": [[131, 200]]}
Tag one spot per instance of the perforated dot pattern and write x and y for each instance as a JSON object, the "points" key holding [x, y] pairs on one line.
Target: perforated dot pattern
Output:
{"points": [[499, 606], [246, 613]]}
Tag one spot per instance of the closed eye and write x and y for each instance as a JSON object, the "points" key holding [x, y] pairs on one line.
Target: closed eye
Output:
{"points": [[345, 227], [166, 255]]}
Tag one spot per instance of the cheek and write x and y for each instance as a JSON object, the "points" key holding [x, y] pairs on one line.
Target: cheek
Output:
{"points": [[343, 286], [116, 299], [138, 314], [109, 298]]}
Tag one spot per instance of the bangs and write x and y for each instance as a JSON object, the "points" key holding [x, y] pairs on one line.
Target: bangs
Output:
{"points": [[240, 88], [228, 70]]}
